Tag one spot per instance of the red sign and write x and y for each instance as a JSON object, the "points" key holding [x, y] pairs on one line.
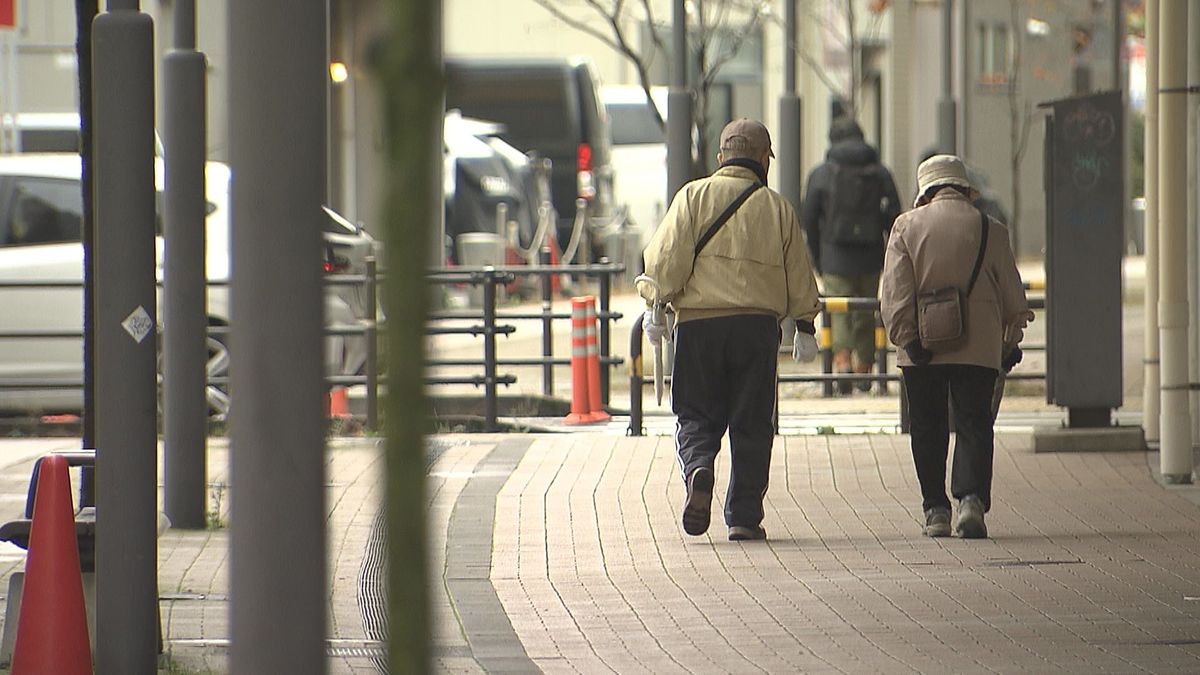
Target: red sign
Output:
{"points": [[8, 14]]}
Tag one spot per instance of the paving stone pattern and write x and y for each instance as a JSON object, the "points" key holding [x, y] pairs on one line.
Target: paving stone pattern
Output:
{"points": [[1092, 566], [563, 553]]}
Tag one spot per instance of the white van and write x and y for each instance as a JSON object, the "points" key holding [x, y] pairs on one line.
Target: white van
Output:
{"points": [[40, 132], [639, 154]]}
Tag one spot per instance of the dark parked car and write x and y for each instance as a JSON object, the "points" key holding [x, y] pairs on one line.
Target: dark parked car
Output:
{"points": [[548, 107]]}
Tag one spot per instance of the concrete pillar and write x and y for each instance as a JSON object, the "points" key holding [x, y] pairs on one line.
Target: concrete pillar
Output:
{"points": [[1175, 426], [1193, 214], [1151, 391]]}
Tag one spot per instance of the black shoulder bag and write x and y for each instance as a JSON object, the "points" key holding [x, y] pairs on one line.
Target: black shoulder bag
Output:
{"points": [[941, 319], [725, 215]]}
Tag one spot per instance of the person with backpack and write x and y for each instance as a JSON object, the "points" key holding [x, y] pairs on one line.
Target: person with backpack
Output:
{"points": [[953, 304], [729, 258], [849, 205]]}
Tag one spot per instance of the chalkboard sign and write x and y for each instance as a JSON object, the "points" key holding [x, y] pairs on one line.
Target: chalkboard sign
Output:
{"points": [[1085, 197]]}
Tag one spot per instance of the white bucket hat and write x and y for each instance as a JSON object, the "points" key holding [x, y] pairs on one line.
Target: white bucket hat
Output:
{"points": [[941, 170]]}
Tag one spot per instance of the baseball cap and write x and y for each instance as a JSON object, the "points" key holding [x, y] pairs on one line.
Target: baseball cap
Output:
{"points": [[745, 138]]}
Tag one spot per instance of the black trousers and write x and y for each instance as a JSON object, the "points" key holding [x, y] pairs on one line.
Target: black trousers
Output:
{"points": [[724, 379], [970, 388]]}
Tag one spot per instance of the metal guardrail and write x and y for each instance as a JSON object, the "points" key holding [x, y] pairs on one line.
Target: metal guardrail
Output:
{"points": [[638, 381], [489, 277]]}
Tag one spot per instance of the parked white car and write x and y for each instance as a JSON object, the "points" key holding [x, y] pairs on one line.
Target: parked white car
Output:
{"points": [[639, 154], [40, 225]]}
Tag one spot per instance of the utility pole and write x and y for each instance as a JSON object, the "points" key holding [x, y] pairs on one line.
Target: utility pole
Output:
{"points": [[790, 112], [679, 107], [947, 111]]}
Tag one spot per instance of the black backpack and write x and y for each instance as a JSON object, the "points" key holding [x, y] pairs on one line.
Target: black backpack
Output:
{"points": [[857, 205]]}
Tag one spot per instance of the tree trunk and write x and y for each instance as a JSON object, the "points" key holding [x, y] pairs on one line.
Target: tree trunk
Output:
{"points": [[411, 74]]}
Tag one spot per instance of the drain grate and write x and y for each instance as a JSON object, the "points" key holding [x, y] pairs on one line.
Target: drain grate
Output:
{"points": [[372, 597], [368, 649]]}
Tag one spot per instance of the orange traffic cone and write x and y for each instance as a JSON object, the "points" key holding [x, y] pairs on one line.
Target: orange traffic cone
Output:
{"points": [[337, 403], [52, 632], [596, 412], [579, 363]]}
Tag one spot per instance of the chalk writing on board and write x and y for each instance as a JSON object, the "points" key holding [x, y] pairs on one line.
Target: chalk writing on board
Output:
{"points": [[1090, 126], [1087, 167]]}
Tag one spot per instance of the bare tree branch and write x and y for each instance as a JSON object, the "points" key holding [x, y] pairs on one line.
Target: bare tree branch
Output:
{"points": [[653, 23], [617, 41], [578, 25]]}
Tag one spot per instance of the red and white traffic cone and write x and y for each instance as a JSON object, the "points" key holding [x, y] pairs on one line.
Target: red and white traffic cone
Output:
{"points": [[596, 412], [580, 406]]}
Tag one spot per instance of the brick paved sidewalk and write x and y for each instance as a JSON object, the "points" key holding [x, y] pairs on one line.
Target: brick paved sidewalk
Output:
{"points": [[1092, 566], [563, 553]]}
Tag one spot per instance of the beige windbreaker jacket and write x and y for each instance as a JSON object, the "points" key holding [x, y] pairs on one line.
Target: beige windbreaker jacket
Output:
{"points": [[756, 264], [934, 246]]}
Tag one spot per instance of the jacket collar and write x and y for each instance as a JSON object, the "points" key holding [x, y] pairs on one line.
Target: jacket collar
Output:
{"points": [[943, 195], [742, 168]]}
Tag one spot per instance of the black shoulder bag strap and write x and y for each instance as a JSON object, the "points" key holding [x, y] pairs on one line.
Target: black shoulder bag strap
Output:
{"points": [[983, 223], [725, 215]]}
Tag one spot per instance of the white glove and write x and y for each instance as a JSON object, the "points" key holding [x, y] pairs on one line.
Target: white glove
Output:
{"points": [[652, 327], [804, 348]]}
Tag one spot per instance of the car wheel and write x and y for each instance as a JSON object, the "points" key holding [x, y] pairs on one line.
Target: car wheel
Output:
{"points": [[217, 395], [216, 366]]}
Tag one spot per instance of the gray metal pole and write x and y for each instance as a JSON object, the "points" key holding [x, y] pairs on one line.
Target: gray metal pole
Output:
{"points": [[1175, 425], [679, 107], [277, 126], [85, 15], [184, 26], [947, 112], [185, 411], [126, 346], [790, 111]]}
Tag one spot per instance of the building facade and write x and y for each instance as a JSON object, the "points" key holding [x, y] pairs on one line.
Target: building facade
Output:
{"points": [[1007, 56]]}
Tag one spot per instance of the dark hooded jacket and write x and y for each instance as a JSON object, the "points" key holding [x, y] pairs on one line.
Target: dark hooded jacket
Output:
{"points": [[847, 148]]}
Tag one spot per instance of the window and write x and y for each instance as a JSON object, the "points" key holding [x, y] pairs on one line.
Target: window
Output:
{"points": [[995, 53], [43, 211]]}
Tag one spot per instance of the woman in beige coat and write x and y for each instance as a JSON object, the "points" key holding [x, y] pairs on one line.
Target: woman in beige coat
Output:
{"points": [[935, 246]]}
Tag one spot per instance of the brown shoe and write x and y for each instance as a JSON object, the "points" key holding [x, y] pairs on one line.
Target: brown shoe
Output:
{"points": [[697, 510], [743, 533]]}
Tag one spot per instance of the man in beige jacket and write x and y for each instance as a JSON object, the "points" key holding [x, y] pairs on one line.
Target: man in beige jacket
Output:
{"points": [[931, 247], [729, 292]]}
